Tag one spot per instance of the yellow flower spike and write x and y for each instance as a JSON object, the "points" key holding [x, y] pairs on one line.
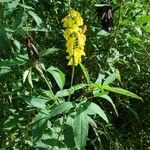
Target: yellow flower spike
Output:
{"points": [[75, 38], [84, 29], [70, 42]]}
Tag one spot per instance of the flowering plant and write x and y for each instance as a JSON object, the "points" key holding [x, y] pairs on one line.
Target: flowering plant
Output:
{"points": [[74, 35]]}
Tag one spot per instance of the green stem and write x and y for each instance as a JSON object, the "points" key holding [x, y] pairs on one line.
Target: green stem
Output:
{"points": [[50, 88], [98, 138], [72, 77]]}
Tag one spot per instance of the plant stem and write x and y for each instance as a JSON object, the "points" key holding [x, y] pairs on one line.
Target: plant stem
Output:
{"points": [[72, 78], [50, 88], [98, 138]]}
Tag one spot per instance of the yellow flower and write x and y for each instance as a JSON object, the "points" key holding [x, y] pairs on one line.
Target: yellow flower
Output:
{"points": [[81, 39], [84, 29], [67, 33], [79, 52], [76, 17], [68, 22], [70, 42], [74, 36], [73, 13]]}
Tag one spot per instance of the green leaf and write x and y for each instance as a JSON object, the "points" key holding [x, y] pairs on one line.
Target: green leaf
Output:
{"points": [[142, 20], [101, 5], [17, 61], [36, 17], [103, 33], [93, 109], [13, 4], [25, 74], [133, 112], [92, 122], [135, 39], [26, 7], [37, 29], [49, 51], [17, 44], [10, 123], [118, 74], [64, 93], [68, 133], [30, 77], [114, 1], [4, 70], [138, 29], [97, 94], [19, 22], [146, 28], [67, 92], [60, 109], [39, 125], [49, 143], [100, 78], [58, 76], [110, 78], [2, 1], [120, 91], [47, 93], [86, 74], [80, 129], [36, 102]]}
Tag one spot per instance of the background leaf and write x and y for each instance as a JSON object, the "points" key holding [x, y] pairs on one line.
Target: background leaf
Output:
{"points": [[36, 102], [2, 1], [142, 20], [13, 4], [36, 17], [85, 73]]}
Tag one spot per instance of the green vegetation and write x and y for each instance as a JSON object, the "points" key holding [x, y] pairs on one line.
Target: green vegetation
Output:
{"points": [[102, 103]]}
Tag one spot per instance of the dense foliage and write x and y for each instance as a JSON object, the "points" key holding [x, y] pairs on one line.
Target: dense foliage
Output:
{"points": [[46, 104]]}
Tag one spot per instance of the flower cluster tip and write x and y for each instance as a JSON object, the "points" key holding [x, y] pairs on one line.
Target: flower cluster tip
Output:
{"points": [[75, 37]]}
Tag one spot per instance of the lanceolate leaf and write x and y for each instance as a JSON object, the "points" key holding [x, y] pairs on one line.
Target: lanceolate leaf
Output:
{"points": [[100, 78], [87, 76], [25, 74], [67, 92], [110, 78], [108, 99], [80, 129], [10, 123], [36, 102], [30, 77], [2, 1], [35, 17], [58, 76], [60, 109], [120, 91], [93, 109], [49, 51]]}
